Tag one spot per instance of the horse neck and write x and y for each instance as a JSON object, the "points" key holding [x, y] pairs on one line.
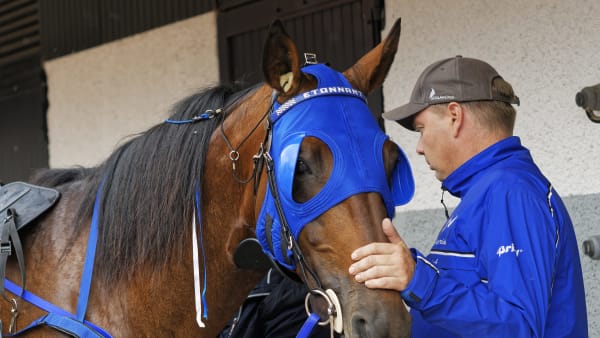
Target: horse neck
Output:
{"points": [[229, 186]]}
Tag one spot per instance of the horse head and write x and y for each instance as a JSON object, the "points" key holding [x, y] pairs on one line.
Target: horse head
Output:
{"points": [[334, 176]]}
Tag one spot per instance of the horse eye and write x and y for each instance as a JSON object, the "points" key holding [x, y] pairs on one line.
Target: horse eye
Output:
{"points": [[302, 168]]}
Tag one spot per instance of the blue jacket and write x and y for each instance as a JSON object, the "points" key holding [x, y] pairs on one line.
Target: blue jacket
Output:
{"points": [[506, 262]]}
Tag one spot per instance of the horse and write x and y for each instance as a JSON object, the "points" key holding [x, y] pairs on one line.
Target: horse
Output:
{"points": [[155, 190]]}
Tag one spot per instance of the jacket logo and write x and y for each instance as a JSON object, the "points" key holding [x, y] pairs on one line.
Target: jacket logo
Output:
{"points": [[502, 249]]}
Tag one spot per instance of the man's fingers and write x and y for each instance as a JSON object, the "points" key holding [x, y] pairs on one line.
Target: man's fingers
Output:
{"points": [[390, 231], [372, 249], [384, 265], [374, 271], [369, 262], [390, 283], [383, 277]]}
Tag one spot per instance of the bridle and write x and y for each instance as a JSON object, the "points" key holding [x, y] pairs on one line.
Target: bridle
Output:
{"points": [[234, 155], [262, 158], [273, 207]]}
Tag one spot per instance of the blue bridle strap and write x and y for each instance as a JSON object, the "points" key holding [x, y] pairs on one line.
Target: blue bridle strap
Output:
{"points": [[57, 317], [308, 326], [88, 267], [206, 115]]}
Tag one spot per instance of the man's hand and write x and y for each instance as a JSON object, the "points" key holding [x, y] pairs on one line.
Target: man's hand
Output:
{"points": [[384, 265]]}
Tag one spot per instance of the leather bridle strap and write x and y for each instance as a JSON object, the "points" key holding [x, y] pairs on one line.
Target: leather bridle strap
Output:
{"points": [[291, 242], [234, 155], [8, 235]]}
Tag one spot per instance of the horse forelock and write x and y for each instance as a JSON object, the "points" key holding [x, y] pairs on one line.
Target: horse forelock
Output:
{"points": [[149, 187]]}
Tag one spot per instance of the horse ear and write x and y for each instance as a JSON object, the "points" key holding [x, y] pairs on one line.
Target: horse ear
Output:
{"points": [[280, 64], [369, 72]]}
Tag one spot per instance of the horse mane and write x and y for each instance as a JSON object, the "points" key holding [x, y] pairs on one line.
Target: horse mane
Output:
{"points": [[57, 177], [149, 186]]}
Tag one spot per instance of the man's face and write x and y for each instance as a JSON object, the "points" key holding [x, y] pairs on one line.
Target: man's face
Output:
{"points": [[436, 141]]}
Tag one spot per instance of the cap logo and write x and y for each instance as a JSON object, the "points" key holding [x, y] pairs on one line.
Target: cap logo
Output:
{"points": [[434, 97]]}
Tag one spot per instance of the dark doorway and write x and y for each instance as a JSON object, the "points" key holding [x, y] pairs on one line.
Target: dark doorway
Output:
{"points": [[339, 32], [23, 140], [23, 143]]}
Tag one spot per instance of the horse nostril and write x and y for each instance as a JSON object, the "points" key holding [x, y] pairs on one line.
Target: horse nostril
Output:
{"points": [[359, 326], [369, 325]]}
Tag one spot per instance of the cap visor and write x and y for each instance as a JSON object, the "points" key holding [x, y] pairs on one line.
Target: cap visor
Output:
{"points": [[405, 114]]}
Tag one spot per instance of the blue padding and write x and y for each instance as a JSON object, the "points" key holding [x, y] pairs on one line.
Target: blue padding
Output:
{"points": [[70, 325]]}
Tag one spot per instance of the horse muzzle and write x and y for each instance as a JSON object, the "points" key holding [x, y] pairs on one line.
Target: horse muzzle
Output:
{"points": [[375, 314]]}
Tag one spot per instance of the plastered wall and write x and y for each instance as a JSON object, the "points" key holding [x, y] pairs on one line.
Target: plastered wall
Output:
{"points": [[100, 96], [547, 49]]}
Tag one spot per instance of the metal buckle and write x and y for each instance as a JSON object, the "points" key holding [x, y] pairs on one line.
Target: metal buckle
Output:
{"points": [[334, 309], [14, 313], [310, 59], [5, 248], [9, 216]]}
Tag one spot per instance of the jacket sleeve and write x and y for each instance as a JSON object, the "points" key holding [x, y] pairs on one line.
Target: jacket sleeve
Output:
{"points": [[516, 249]]}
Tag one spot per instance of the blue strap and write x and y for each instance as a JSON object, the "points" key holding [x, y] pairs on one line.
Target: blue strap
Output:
{"points": [[48, 307], [207, 115], [34, 299], [88, 268], [64, 324], [75, 327], [308, 326]]}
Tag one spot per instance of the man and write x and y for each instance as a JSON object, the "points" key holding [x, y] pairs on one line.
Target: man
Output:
{"points": [[506, 262]]}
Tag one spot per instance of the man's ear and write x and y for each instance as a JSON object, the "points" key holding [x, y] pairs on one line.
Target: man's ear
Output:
{"points": [[456, 113]]}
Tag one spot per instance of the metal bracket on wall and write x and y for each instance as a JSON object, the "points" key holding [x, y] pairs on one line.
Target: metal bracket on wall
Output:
{"points": [[589, 99]]}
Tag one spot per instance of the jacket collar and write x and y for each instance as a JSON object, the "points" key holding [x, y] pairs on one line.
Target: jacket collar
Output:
{"points": [[459, 181]]}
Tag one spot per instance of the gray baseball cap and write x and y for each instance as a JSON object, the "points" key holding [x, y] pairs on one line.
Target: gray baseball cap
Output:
{"points": [[456, 79]]}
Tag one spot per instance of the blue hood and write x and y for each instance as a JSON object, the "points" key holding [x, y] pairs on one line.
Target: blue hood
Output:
{"points": [[338, 115]]}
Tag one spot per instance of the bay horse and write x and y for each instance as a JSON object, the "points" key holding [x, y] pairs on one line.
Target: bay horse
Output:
{"points": [[143, 277]]}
